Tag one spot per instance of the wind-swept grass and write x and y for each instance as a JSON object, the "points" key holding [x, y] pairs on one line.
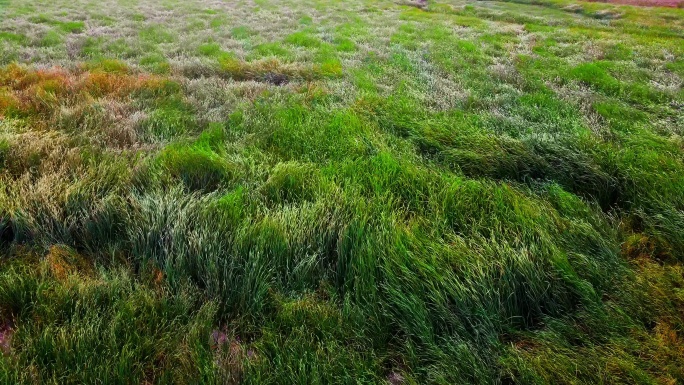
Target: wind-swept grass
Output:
{"points": [[279, 192]]}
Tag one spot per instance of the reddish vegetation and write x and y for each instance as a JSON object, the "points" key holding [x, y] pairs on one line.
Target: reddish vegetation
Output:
{"points": [[5, 337], [39, 91], [646, 3], [64, 262]]}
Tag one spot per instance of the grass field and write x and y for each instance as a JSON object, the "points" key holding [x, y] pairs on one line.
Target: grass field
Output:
{"points": [[341, 192]]}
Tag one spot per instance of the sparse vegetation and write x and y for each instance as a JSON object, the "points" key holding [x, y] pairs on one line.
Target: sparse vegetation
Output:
{"points": [[276, 191]]}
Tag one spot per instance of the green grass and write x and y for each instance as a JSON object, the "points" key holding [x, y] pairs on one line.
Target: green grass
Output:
{"points": [[349, 192], [156, 34], [13, 37], [302, 39], [241, 32], [51, 39], [155, 63], [64, 26], [167, 121]]}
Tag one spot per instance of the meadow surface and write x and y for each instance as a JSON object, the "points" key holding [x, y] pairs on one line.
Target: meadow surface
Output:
{"points": [[352, 192]]}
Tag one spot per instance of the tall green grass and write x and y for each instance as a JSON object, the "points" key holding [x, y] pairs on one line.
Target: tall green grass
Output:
{"points": [[467, 193]]}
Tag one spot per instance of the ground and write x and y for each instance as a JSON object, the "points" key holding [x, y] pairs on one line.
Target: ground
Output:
{"points": [[314, 192]]}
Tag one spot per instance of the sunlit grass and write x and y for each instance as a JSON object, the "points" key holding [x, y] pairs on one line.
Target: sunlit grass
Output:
{"points": [[341, 192]]}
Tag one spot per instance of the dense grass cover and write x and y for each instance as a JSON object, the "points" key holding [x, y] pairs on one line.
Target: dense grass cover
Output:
{"points": [[316, 192]]}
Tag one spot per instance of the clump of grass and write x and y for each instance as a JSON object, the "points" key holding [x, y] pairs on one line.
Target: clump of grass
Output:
{"points": [[275, 72], [108, 65], [13, 37], [209, 49], [170, 118], [291, 182], [63, 262], [596, 75], [51, 39], [303, 39], [217, 22], [156, 63], [273, 49], [197, 169], [241, 33], [65, 26], [71, 26], [345, 45], [156, 34], [197, 166], [109, 316], [4, 153]]}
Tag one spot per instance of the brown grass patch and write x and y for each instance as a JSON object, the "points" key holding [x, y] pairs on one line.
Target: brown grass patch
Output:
{"points": [[94, 104], [38, 92], [640, 246], [6, 333], [274, 72], [63, 262]]}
